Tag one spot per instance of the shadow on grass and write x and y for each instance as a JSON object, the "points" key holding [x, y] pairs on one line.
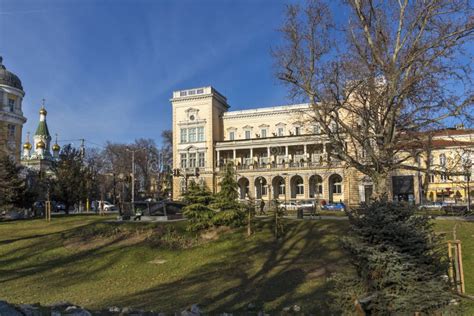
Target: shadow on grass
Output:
{"points": [[270, 274], [38, 256]]}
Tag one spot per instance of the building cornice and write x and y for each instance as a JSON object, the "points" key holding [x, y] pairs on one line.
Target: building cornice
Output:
{"points": [[13, 89], [12, 117]]}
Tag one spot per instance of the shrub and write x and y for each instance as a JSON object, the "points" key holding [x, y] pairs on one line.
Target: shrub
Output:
{"points": [[232, 218], [399, 263], [199, 216]]}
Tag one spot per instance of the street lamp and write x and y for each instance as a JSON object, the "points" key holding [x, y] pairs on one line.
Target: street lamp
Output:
{"points": [[468, 169], [133, 151]]}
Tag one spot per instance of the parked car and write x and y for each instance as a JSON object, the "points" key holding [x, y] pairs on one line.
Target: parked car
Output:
{"points": [[107, 206], [306, 204], [289, 206], [334, 207], [60, 206], [433, 206]]}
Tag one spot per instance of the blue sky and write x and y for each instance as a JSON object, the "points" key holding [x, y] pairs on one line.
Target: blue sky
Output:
{"points": [[107, 68]]}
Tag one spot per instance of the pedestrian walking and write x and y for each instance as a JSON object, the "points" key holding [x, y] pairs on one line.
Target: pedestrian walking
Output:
{"points": [[262, 206]]}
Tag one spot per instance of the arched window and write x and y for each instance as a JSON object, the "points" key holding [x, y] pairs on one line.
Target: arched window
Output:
{"points": [[336, 184]]}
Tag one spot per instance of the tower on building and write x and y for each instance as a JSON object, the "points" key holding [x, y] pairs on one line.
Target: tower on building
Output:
{"points": [[40, 158], [11, 114]]}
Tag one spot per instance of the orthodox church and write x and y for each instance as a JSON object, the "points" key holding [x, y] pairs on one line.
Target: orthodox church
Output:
{"points": [[38, 156]]}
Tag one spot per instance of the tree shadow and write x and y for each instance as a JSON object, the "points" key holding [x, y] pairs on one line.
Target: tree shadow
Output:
{"points": [[268, 273]]}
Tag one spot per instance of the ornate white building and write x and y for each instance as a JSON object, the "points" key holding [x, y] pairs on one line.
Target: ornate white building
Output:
{"points": [[11, 114]]}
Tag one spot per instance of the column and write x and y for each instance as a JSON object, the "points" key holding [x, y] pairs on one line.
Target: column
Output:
{"points": [[218, 158], [325, 195], [234, 156], [306, 185], [251, 155], [252, 187], [270, 192], [287, 187], [286, 151]]}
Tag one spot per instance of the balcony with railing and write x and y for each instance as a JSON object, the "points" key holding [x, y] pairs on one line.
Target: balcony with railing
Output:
{"points": [[282, 162]]}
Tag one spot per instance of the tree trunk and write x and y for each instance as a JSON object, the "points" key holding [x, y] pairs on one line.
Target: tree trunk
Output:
{"points": [[381, 188]]}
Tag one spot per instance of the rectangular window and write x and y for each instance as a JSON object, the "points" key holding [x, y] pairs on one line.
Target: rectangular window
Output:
{"points": [[201, 160], [200, 134], [297, 130], [316, 129], [191, 92], [192, 160], [11, 131], [183, 135], [183, 93], [231, 135], [337, 188], [263, 133], [192, 135], [431, 178], [247, 134], [280, 131], [200, 91], [444, 177], [183, 163], [11, 104]]}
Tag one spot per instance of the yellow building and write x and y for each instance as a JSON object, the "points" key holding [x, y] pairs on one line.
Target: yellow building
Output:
{"points": [[278, 154], [11, 114]]}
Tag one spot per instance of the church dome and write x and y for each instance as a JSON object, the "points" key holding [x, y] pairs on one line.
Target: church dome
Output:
{"points": [[43, 111], [56, 147], [27, 145], [9, 78], [41, 144]]}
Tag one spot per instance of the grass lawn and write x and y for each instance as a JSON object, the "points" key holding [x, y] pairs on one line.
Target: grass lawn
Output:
{"points": [[89, 262]]}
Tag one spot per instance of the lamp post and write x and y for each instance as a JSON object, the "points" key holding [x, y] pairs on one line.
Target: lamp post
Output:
{"points": [[467, 169], [133, 151]]}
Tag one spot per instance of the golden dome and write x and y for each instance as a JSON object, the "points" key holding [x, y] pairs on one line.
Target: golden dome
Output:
{"points": [[27, 145], [43, 111], [41, 144], [56, 147]]}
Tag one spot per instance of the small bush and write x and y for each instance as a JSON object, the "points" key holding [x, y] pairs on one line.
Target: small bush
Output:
{"points": [[199, 217], [232, 218]]}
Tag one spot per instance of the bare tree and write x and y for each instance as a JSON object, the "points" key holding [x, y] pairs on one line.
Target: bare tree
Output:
{"points": [[378, 78]]}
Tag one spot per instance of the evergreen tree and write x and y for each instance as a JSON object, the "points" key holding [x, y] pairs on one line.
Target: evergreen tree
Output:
{"points": [[199, 215], [12, 184], [226, 198], [399, 263], [70, 177], [197, 194], [230, 211]]}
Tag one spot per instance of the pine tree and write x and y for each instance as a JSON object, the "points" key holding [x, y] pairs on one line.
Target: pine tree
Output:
{"points": [[399, 263], [226, 198], [196, 193], [199, 215], [12, 184], [230, 211]]}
